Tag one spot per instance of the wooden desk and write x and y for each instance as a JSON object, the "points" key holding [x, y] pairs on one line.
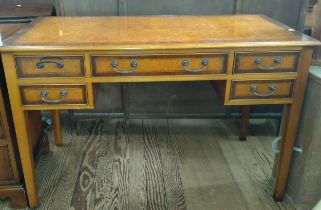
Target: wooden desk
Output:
{"points": [[55, 63]]}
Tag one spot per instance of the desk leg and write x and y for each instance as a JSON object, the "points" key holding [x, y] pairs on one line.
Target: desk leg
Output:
{"points": [[26, 154], [290, 124], [56, 126], [20, 123], [244, 126]]}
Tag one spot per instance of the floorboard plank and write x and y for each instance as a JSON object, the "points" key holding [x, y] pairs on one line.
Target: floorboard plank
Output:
{"points": [[68, 175], [252, 169], [190, 182], [83, 188], [172, 177], [137, 176], [120, 170], [215, 179], [241, 175], [52, 167], [155, 186], [108, 184]]}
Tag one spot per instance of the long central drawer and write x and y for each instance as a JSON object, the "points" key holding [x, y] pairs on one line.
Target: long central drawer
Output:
{"points": [[103, 65]]}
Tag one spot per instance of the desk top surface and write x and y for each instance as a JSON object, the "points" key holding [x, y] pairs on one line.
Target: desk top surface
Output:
{"points": [[154, 32]]}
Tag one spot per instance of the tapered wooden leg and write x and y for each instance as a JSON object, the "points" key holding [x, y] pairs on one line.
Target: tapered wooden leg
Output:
{"points": [[56, 126], [244, 126], [290, 126], [19, 119], [26, 155]]}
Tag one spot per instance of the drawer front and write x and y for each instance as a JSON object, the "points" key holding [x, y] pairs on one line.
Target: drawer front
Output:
{"points": [[269, 62], [49, 66], [158, 65], [6, 172], [262, 89], [53, 94]]}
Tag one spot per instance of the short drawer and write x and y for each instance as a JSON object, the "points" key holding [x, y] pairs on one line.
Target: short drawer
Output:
{"points": [[53, 94], [49, 66], [267, 62], [159, 64], [262, 89]]}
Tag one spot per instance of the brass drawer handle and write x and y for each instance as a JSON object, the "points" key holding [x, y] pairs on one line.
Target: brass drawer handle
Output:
{"points": [[133, 65], [59, 62], [272, 88], [204, 63], [44, 94], [277, 62]]}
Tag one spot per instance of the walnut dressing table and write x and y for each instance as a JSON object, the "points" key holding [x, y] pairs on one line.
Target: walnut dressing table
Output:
{"points": [[56, 62]]}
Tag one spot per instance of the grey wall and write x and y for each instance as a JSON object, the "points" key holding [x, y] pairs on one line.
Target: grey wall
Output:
{"points": [[23, 1], [286, 11], [289, 12], [88, 7], [179, 7]]}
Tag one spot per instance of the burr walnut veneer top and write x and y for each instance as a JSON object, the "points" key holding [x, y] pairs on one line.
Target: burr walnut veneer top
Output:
{"points": [[156, 32]]}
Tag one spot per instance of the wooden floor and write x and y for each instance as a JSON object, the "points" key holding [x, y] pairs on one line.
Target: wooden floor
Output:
{"points": [[158, 164]]}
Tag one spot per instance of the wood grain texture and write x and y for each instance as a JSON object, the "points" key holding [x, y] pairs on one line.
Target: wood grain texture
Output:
{"points": [[153, 32], [54, 172], [273, 8], [247, 62], [191, 186], [25, 146], [83, 188], [10, 170], [6, 175], [16, 196], [137, 170], [156, 194], [56, 124], [124, 33], [252, 160], [154, 65], [244, 90], [65, 172], [71, 66], [157, 35], [74, 94], [172, 177], [200, 164], [211, 172], [118, 176]]}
